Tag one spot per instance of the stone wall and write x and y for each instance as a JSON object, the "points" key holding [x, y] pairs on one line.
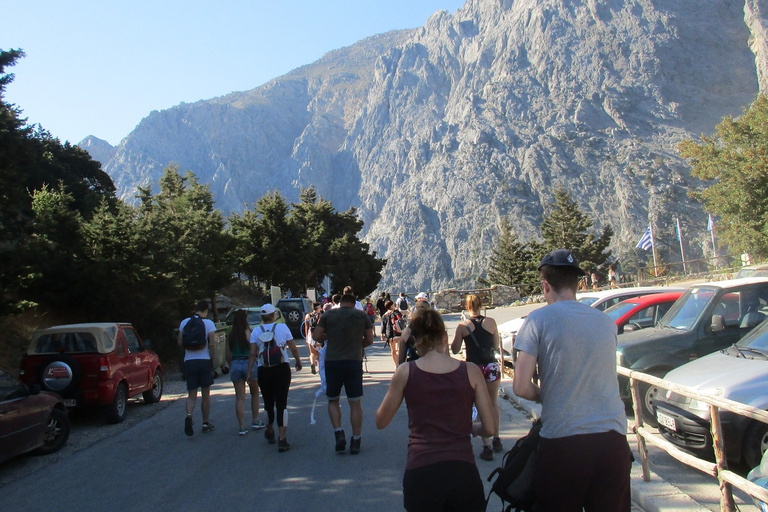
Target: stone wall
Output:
{"points": [[496, 295]]}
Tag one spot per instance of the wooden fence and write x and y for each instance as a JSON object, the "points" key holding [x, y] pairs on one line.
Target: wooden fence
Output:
{"points": [[719, 469]]}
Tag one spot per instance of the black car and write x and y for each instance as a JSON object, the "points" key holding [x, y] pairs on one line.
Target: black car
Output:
{"points": [[294, 311]]}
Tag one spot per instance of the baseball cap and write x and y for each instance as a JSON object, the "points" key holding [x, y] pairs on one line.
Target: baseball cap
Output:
{"points": [[267, 309], [561, 258], [421, 295]]}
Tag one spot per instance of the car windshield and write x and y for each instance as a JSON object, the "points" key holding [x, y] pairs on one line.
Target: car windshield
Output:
{"points": [[618, 310], [686, 311], [588, 300], [757, 339]]}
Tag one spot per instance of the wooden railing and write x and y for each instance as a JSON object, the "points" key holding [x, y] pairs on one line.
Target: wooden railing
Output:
{"points": [[719, 469]]}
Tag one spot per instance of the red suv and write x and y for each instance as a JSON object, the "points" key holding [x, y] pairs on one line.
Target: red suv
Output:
{"points": [[100, 364]]}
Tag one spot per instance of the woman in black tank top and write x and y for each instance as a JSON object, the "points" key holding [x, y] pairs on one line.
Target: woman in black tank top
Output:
{"points": [[480, 337]]}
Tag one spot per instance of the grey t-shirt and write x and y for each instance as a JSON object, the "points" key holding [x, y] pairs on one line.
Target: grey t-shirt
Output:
{"points": [[344, 332], [575, 346]]}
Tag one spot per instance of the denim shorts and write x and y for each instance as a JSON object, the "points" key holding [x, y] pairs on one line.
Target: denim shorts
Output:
{"points": [[240, 367], [199, 373], [347, 374]]}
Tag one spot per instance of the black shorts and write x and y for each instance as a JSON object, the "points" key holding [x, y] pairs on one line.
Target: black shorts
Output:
{"points": [[452, 485], [199, 373], [347, 373]]}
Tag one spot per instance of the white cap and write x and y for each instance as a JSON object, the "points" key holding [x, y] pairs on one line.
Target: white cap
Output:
{"points": [[421, 295], [267, 309]]}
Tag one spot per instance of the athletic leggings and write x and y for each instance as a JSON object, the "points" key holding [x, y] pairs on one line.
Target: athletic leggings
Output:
{"points": [[274, 382]]}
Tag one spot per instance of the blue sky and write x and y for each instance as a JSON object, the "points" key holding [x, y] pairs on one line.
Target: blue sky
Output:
{"points": [[99, 67]]}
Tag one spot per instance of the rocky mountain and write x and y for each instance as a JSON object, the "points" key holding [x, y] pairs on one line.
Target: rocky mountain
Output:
{"points": [[99, 149], [437, 133]]}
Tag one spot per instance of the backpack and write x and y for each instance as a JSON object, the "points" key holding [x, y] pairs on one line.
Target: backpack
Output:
{"points": [[402, 304], [398, 323], [369, 309], [271, 353], [193, 335], [514, 482]]}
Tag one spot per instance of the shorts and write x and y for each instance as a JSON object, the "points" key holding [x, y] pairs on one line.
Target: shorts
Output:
{"points": [[346, 373], [199, 373], [425, 488], [240, 367], [491, 371]]}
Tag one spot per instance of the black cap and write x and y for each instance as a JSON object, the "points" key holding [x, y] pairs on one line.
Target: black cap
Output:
{"points": [[561, 258]]}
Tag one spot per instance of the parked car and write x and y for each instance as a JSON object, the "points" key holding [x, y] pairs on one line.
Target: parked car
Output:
{"points": [[760, 270], [294, 311], [707, 318], [739, 373], [604, 299], [99, 364], [641, 312], [30, 420]]}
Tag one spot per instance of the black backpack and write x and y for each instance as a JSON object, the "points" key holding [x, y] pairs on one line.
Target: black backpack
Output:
{"points": [[193, 335], [402, 304], [514, 482], [271, 352]]}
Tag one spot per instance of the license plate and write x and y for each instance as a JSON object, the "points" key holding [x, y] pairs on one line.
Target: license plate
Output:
{"points": [[70, 402], [666, 421]]}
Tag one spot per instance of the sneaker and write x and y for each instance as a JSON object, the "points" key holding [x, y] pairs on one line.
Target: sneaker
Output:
{"points": [[314, 369], [282, 445], [354, 446], [188, 426], [243, 431], [269, 435], [258, 424], [497, 444], [208, 427], [341, 441], [487, 453]]}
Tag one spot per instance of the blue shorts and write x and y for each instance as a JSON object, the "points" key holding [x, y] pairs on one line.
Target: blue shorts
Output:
{"points": [[347, 373], [240, 367], [199, 373]]}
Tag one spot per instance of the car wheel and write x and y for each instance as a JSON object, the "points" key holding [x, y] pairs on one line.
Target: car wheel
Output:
{"points": [[755, 444], [293, 316], [56, 432], [116, 411], [648, 394], [153, 395], [60, 374]]}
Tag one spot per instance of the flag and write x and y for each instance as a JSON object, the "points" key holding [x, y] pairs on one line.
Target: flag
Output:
{"points": [[646, 242], [709, 223]]}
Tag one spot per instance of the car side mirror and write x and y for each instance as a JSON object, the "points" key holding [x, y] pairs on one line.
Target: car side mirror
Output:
{"points": [[718, 323], [631, 327]]}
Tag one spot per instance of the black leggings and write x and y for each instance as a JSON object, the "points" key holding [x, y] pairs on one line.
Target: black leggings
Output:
{"points": [[274, 382]]}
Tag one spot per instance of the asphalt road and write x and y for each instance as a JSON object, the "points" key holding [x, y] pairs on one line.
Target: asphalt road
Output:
{"points": [[154, 466]]}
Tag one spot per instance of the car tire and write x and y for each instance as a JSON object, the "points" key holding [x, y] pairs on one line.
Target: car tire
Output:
{"points": [[293, 317], [155, 393], [648, 393], [117, 409], [755, 444], [56, 432], [63, 361]]}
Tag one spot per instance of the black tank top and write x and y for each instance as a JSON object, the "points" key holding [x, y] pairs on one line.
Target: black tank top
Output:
{"points": [[484, 339]]}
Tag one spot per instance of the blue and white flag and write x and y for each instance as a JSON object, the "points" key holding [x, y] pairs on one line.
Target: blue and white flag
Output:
{"points": [[646, 242]]}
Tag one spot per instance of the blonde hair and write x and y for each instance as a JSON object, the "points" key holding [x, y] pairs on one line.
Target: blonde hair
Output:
{"points": [[473, 303], [428, 328]]}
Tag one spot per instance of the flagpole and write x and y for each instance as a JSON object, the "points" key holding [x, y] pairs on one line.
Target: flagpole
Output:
{"points": [[714, 246], [653, 248], [680, 238]]}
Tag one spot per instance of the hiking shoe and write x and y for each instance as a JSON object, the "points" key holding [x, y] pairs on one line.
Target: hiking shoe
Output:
{"points": [[243, 431], [269, 435], [208, 427], [282, 445], [354, 446], [487, 453], [497, 444], [188, 426], [256, 425], [341, 441]]}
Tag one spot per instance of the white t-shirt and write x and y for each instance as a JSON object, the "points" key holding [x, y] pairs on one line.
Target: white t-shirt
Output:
{"points": [[203, 353], [282, 336]]}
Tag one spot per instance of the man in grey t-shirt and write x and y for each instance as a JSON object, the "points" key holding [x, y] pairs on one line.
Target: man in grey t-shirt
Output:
{"points": [[346, 332], [583, 421]]}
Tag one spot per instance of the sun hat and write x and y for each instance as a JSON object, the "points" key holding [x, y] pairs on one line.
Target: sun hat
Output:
{"points": [[267, 309], [561, 258], [421, 295]]}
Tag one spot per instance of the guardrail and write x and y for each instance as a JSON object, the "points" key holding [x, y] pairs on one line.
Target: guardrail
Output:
{"points": [[719, 469]]}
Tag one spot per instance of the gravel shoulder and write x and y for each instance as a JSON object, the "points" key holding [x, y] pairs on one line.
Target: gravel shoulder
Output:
{"points": [[89, 427]]}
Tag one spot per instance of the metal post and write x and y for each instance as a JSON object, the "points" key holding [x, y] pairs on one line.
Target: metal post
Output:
{"points": [[726, 490], [680, 238]]}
